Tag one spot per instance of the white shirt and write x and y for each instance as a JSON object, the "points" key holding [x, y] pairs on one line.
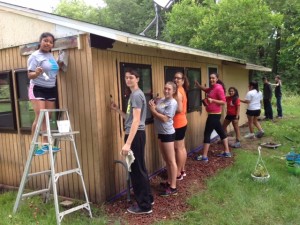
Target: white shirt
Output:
{"points": [[254, 97]]}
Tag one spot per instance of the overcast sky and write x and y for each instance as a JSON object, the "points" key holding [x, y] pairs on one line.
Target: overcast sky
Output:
{"points": [[47, 5]]}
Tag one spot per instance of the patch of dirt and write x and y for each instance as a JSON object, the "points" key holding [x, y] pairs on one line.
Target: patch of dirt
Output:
{"points": [[197, 173]]}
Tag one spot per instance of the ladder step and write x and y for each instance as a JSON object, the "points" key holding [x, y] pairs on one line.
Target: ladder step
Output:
{"points": [[35, 193], [85, 205], [77, 170], [39, 173], [64, 134]]}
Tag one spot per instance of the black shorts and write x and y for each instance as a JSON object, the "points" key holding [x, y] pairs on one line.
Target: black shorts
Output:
{"points": [[255, 113], [180, 133], [42, 93], [231, 117], [166, 137]]}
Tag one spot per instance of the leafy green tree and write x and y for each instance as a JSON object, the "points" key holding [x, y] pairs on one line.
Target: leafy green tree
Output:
{"points": [[231, 27], [287, 45], [131, 15], [77, 9]]}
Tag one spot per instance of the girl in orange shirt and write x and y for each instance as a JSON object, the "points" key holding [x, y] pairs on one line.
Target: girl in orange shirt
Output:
{"points": [[180, 123]]}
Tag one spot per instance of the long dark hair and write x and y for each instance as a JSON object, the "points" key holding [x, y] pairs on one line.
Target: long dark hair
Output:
{"points": [[44, 35], [235, 96], [254, 85], [219, 81], [186, 83]]}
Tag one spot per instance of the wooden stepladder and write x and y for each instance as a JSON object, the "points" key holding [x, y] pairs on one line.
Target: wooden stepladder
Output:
{"points": [[64, 133]]}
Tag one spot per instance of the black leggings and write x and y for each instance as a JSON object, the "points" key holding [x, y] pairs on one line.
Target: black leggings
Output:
{"points": [[213, 123]]}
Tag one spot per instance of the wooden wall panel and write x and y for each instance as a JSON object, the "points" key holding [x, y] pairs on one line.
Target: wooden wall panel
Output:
{"points": [[85, 89]]}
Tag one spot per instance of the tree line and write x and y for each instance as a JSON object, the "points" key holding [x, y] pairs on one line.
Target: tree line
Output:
{"points": [[263, 32]]}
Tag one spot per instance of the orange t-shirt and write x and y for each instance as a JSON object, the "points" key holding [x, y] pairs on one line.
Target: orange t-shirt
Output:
{"points": [[180, 118]]}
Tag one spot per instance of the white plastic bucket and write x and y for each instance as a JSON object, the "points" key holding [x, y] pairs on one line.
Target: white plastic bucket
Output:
{"points": [[63, 126]]}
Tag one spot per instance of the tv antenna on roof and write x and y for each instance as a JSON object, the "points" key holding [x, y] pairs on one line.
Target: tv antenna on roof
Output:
{"points": [[165, 5]]}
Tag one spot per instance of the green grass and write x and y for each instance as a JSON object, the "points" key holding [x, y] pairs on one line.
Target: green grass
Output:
{"points": [[233, 198], [34, 211]]}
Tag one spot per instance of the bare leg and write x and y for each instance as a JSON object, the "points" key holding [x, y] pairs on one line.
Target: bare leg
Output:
{"points": [[225, 143], [225, 125], [235, 124], [250, 123], [169, 152], [37, 105], [163, 153], [181, 155], [205, 149], [256, 123]]}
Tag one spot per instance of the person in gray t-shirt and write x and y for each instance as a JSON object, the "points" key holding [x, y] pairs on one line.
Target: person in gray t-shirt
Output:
{"points": [[135, 139], [42, 72], [163, 111]]}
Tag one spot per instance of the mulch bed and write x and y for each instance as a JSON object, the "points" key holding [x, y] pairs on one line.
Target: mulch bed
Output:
{"points": [[172, 206]]}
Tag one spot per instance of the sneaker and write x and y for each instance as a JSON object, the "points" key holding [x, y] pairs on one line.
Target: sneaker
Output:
{"points": [[225, 155], [259, 134], [39, 152], [201, 158], [236, 145], [180, 177], [164, 184], [183, 173], [138, 210], [45, 148], [169, 191], [250, 135]]}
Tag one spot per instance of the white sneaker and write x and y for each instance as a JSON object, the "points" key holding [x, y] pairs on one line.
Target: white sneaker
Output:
{"points": [[249, 135]]}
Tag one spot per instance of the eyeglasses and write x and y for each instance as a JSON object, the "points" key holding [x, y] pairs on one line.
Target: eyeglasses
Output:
{"points": [[177, 78]]}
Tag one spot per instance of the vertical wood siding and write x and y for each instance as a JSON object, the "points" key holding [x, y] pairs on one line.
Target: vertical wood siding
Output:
{"points": [[85, 89]]}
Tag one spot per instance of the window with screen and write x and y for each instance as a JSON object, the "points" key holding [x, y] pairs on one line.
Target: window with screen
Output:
{"points": [[145, 84], [7, 109]]}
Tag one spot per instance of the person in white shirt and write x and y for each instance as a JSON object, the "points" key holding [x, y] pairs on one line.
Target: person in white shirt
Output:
{"points": [[253, 99]]}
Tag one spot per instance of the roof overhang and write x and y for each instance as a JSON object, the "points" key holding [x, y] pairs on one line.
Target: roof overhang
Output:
{"points": [[250, 66]]}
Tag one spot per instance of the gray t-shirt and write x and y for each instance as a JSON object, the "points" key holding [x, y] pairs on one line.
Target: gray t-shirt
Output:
{"points": [[136, 100], [166, 107], [49, 65]]}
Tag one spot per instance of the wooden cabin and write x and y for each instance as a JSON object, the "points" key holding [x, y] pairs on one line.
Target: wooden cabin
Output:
{"points": [[97, 58]]}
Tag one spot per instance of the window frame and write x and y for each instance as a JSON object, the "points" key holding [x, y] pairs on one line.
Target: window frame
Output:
{"points": [[124, 97], [12, 128], [19, 99]]}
